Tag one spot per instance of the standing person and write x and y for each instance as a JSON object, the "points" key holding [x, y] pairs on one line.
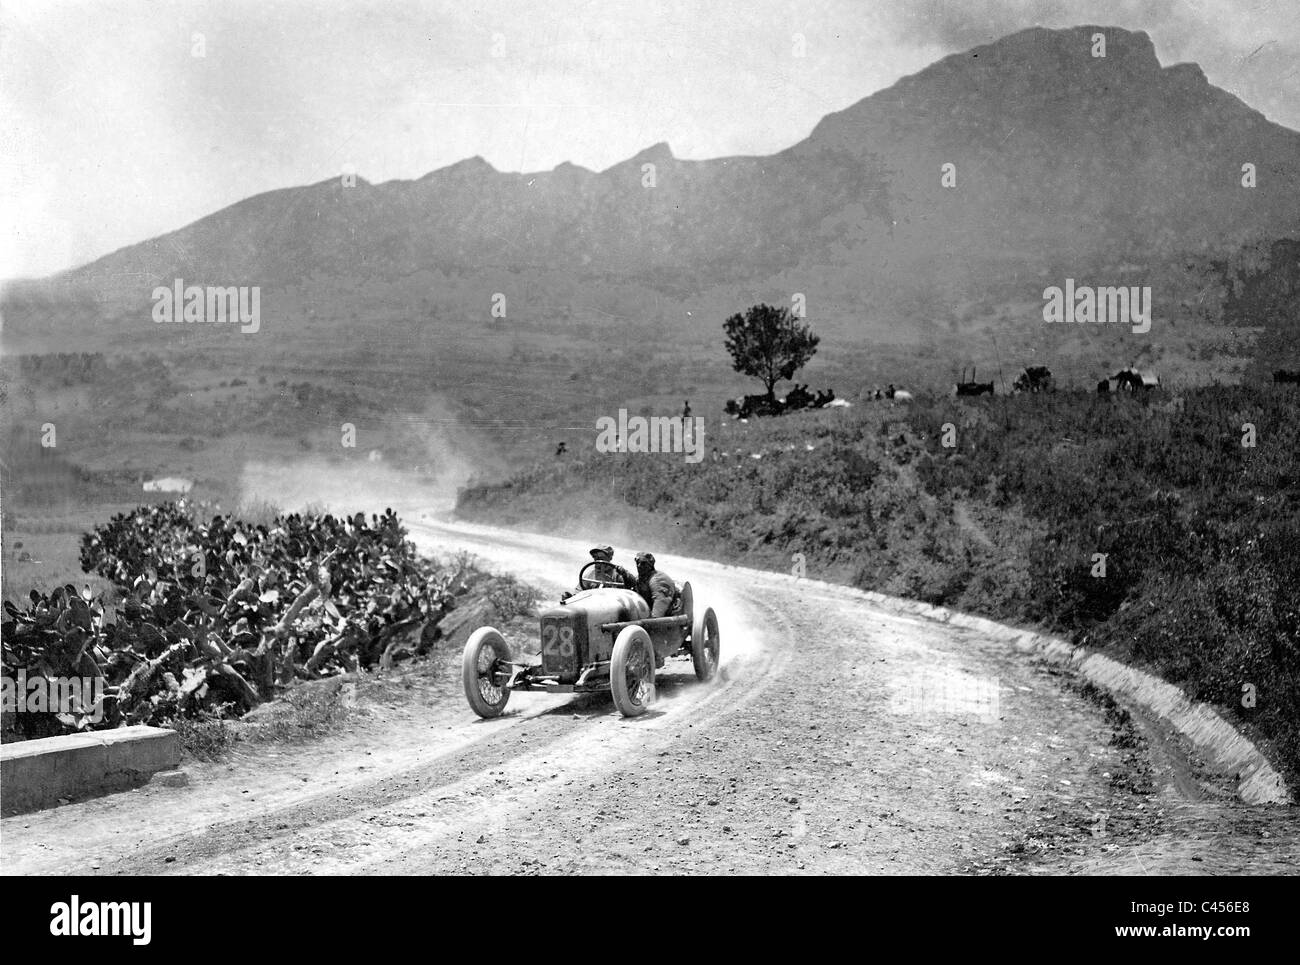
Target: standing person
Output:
{"points": [[656, 588], [686, 410]]}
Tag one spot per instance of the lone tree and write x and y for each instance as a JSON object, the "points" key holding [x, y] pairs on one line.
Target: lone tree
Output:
{"points": [[769, 343]]}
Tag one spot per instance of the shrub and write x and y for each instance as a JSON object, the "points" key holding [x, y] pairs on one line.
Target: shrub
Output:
{"points": [[214, 615]]}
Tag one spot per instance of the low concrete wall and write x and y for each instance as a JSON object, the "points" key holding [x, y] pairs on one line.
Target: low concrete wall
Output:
{"points": [[35, 774]]}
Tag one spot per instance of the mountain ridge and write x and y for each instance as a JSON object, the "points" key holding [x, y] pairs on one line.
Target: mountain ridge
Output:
{"points": [[1061, 161]]}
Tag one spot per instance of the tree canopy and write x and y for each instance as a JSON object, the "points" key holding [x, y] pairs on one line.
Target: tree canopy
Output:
{"points": [[769, 343]]}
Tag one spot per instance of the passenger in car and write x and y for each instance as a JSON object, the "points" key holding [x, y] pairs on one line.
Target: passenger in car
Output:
{"points": [[656, 587]]}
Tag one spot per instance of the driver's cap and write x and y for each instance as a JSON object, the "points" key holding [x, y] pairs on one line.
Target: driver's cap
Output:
{"points": [[603, 553], [647, 558]]}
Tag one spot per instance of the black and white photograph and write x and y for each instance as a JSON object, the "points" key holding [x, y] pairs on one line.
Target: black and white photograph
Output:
{"points": [[782, 438]]}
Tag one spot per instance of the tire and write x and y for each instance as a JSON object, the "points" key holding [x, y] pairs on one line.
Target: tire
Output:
{"points": [[632, 672], [706, 645], [484, 647], [686, 606]]}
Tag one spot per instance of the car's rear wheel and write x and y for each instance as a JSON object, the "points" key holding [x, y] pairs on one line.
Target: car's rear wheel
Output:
{"points": [[686, 607], [485, 650], [706, 646], [632, 672]]}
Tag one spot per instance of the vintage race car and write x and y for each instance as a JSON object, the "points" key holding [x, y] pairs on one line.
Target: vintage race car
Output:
{"points": [[600, 638]]}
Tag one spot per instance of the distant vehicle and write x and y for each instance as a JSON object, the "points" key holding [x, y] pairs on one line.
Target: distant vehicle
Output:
{"points": [[1035, 378], [600, 639], [971, 387], [760, 405], [1132, 380], [752, 405]]}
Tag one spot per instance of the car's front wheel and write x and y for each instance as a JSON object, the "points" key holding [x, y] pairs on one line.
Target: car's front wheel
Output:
{"points": [[632, 672], [485, 651]]}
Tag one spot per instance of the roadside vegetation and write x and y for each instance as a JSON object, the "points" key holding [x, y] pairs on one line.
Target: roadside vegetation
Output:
{"points": [[1140, 526], [207, 617]]}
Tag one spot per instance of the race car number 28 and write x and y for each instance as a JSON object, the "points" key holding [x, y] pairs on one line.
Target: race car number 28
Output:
{"points": [[558, 641]]}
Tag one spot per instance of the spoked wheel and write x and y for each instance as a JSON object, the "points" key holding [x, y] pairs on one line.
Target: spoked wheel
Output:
{"points": [[706, 646], [484, 650], [632, 672]]}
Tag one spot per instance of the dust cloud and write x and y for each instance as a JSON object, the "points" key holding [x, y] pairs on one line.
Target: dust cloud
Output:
{"points": [[343, 487], [412, 462]]}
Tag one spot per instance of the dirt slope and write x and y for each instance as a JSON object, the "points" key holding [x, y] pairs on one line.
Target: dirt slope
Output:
{"points": [[842, 737]]}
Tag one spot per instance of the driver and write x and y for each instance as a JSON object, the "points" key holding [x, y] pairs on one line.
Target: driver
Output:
{"points": [[656, 588], [605, 570], [608, 571]]}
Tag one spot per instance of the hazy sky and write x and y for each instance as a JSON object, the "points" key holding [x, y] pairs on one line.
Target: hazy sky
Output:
{"points": [[116, 130]]}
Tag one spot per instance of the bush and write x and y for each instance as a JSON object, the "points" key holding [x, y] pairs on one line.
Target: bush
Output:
{"points": [[513, 598], [213, 616]]}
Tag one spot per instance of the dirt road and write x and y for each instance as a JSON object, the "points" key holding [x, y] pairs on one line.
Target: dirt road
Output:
{"points": [[840, 737]]}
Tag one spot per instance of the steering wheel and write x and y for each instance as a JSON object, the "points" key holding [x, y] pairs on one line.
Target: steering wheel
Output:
{"points": [[603, 574]]}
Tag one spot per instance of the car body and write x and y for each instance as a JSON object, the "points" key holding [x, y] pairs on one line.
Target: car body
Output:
{"points": [[601, 638]]}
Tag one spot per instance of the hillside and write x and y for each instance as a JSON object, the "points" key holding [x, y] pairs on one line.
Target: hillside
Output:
{"points": [[1200, 534]]}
